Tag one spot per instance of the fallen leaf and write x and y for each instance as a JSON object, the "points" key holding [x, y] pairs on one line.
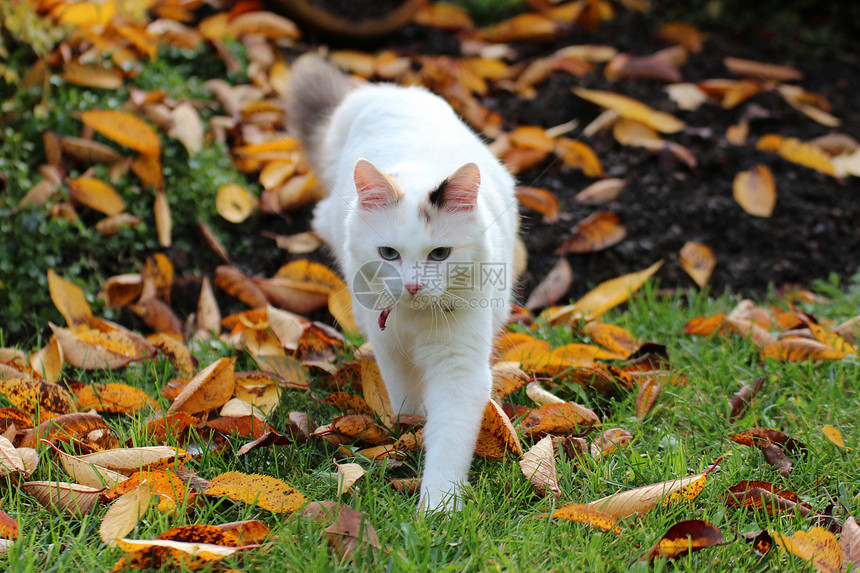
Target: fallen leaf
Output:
{"points": [[817, 546], [750, 68], [764, 495], [682, 538], [585, 513], [755, 191], [347, 475], [71, 498], [114, 398], [613, 292], [528, 27], [609, 441], [616, 339], [801, 350], [743, 398], [559, 420], [209, 389], [497, 436], [264, 491], [630, 108], [124, 128], [641, 499], [96, 194], [69, 299], [124, 514], [698, 261], [554, 286], [601, 192], [578, 155], [649, 391], [849, 542], [598, 231], [834, 435], [163, 220], [234, 203], [538, 465], [540, 200]]}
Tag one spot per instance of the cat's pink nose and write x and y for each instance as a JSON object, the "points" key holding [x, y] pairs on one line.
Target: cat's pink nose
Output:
{"points": [[413, 287]]}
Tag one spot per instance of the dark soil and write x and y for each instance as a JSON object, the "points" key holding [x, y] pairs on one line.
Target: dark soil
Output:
{"points": [[814, 230]]}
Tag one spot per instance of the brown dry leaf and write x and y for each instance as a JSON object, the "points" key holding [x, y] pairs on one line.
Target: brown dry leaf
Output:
{"points": [[123, 516], [289, 371], [683, 538], [585, 513], [298, 244], [559, 420], [554, 286], [125, 129], [157, 315], [288, 327], [234, 203], [310, 276], [540, 200], [48, 361], [817, 546], [69, 299], [34, 396], [801, 350], [808, 104], [88, 473], [266, 492], [850, 542], [349, 403], [210, 388], [507, 378], [612, 337], [96, 194], [186, 126], [538, 465], [62, 497], [347, 475], [268, 24], [114, 398], [94, 76], [749, 329], [613, 292], [578, 155], [347, 529], [642, 499], [741, 400], [682, 34], [163, 220], [66, 427], [360, 427], [755, 191], [632, 132], [834, 435], [649, 391], [373, 389], [95, 349], [88, 151], [688, 97], [167, 486], [249, 531], [10, 459], [766, 496], [497, 436], [601, 192], [39, 194], [528, 27], [205, 533], [632, 109], [122, 290], [704, 325], [240, 286], [595, 233], [176, 352], [609, 441], [698, 261], [753, 69], [129, 460], [208, 318]]}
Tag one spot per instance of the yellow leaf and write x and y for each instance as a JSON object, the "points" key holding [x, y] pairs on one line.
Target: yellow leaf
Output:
{"points": [[632, 109], [125, 513], [96, 194], [816, 545], [69, 299], [234, 203], [641, 499], [613, 292], [264, 491], [755, 191], [340, 307], [698, 261], [834, 436], [585, 513], [124, 128], [163, 221]]}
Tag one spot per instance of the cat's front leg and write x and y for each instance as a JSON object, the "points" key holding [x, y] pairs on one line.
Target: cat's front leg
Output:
{"points": [[458, 382]]}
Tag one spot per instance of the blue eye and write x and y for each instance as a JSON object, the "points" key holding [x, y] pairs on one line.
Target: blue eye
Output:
{"points": [[388, 253], [439, 254]]}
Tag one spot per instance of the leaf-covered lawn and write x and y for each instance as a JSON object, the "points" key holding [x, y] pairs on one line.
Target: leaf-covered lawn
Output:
{"points": [[627, 428]]}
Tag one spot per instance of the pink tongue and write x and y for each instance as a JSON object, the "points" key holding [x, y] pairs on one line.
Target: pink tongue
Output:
{"points": [[383, 316]]}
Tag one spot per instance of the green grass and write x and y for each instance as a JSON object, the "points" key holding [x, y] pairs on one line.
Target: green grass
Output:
{"points": [[500, 527]]}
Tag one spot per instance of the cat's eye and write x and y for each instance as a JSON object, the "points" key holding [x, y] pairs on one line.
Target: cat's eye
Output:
{"points": [[388, 253], [439, 254]]}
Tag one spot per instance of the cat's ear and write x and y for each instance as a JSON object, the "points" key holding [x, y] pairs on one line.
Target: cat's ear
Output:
{"points": [[375, 190], [459, 192]]}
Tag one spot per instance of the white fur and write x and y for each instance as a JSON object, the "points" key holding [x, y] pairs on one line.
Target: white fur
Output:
{"points": [[434, 362]]}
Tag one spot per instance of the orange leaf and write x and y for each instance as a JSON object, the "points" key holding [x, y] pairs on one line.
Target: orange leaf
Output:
{"points": [[584, 513], [114, 398], [684, 537], [443, 15], [558, 419], [124, 128], [595, 233], [613, 292], [234, 203], [755, 191], [540, 200], [578, 155], [698, 261], [750, 68], [531, 137], [525, 27], [641, 499], [649, 391], [497, 436], [801, 350], [211, 388], [633, 109], [612, 337]]}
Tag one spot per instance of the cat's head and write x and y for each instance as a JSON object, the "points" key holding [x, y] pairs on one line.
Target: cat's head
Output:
{"points": [[416, 248]]}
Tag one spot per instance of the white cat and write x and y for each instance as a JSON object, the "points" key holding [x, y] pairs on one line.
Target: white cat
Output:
{"points": [[422, 219]]}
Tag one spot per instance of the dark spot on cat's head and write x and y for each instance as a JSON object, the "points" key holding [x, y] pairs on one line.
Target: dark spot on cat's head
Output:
{"points": [[438, 194]]}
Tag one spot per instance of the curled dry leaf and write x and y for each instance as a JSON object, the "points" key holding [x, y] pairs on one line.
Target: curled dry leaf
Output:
{"points": [[61, 497], [524, 27], [747, 328], [373, 389], [130, 460], [10, 458], [764, 495], [558, 419], [163, 220], [850, 542], [65, 428], [347, 475], [540, 200], [609, 441], [554, 286], [185, 125], [741, 400], [601, 192], [540, 396], [755, 191], [649, 391], [497, 436], [698, 261], [211, 388], [88, 473], [595, 233], [538, 465], [126, 512], [264, 491], [507, 378], [578, 155], [751, 68], [684, 537], [155, 553], [632, 109], [817, 545], [234, 203]]}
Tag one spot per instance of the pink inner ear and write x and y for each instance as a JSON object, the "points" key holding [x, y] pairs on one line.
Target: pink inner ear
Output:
{"points": [[375, 191], [461, 192]]}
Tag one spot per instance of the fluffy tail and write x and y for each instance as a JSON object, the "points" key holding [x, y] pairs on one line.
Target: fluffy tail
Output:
{"points": [[316, 89]]}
